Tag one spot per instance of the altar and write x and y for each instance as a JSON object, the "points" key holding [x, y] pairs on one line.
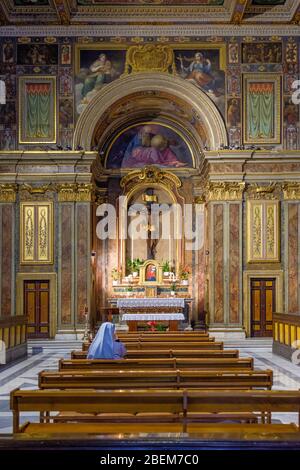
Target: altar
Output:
{"points": [[166, 309]]}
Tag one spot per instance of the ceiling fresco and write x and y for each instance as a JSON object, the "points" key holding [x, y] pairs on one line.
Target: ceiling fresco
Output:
{"points": [[84, 12]]}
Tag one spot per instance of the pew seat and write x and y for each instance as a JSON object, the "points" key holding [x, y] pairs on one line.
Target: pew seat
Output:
{"points": [[182, 403], [164, 353], [168, 363], [169, 379], [38, 429]]}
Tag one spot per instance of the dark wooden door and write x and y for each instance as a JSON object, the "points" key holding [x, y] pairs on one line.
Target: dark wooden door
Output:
{"points": [[262, 306], [36, 306]]}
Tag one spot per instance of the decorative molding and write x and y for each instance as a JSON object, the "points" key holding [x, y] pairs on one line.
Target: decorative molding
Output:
{"points": [[35, 190], [73, 192], [225, 191], [291, 191], [8, 192], [258, 192], [150, 175], [183, 31]]}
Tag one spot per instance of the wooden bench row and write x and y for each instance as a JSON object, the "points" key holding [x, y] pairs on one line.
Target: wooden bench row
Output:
{"points": [[170, 353], [152, 410], [155, 378], [166, 363], [149, 345]]}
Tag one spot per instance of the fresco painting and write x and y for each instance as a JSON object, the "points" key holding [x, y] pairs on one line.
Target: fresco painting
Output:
{"points": [[149, 144]]}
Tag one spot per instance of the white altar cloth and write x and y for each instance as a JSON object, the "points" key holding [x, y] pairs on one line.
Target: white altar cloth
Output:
{"points": [[150, 302], [152, 316]]}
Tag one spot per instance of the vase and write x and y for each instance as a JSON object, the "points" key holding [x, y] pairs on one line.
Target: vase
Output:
{"points": [[135, 274], [172, 293], [185, 282], [166, 274], [115, 282]]}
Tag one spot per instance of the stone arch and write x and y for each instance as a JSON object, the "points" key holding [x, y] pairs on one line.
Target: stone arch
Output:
{"points": [[160, 82]]}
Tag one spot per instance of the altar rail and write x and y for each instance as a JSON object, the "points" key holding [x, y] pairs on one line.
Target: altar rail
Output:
{"points": [[286, 334], [13, 333]]}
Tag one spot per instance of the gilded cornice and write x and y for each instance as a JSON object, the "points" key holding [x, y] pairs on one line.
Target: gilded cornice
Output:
{"points": [[291, 191], [225, 191], [262, 192], [8, 192], [73, 192]]}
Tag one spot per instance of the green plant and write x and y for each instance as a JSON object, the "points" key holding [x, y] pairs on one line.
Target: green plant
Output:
{"points": [[166, 267], [130, 289], [161, 327], [133, 265], [173, 287]]}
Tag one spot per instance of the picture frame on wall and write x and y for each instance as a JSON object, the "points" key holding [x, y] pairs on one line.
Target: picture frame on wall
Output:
{"points": [[262, 108], [37, 110]]}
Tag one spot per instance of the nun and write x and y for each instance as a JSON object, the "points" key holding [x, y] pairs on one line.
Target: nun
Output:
{"points": [[106, 344]]}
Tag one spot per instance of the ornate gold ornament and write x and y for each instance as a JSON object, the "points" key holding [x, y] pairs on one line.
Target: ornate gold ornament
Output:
{"points": [[74, 192], [225, 191], [150, 58], [36, 189], [291, 191], [8, 192], [150, 175], [256, 191]]}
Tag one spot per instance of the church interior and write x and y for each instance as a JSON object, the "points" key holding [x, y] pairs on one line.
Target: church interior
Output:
{"points": [[149, 224]]}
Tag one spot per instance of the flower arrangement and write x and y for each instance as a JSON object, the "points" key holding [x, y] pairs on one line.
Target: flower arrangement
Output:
{"points": [[184, 272], [154, 326], [116, 274], [166, 267]]}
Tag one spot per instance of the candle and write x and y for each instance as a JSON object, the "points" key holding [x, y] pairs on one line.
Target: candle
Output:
{"points": [[170, 253]]}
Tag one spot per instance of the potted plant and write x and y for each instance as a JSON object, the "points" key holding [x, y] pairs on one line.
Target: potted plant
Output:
{"points": [[136, 265], [166, 268], [116, 274], [184, 272], [173, 289]]}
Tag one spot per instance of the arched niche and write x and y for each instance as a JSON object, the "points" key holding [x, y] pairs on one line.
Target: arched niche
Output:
{"points": [[203, 107], [159, 187]]}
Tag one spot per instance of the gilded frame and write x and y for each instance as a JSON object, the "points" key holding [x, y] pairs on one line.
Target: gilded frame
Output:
{"points": [[22, 108], [276, 79], [143, 270], [264, 204], [36, 258]]}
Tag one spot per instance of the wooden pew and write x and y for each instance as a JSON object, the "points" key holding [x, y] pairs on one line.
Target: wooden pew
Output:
{"points": [[153, 410], [166, 345], [168, 379], [164, 353], [170, 363], [161, 343]]}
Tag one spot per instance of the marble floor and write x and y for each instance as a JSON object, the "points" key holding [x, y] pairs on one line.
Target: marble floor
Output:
{"points": [[46, 355]]}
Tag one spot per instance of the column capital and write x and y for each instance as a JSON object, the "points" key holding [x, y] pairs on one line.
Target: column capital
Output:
{"points": [[8, 192], [225, 191]]}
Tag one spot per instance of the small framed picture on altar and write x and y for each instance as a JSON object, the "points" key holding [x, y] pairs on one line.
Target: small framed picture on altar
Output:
{"points": [[151, 273]]}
